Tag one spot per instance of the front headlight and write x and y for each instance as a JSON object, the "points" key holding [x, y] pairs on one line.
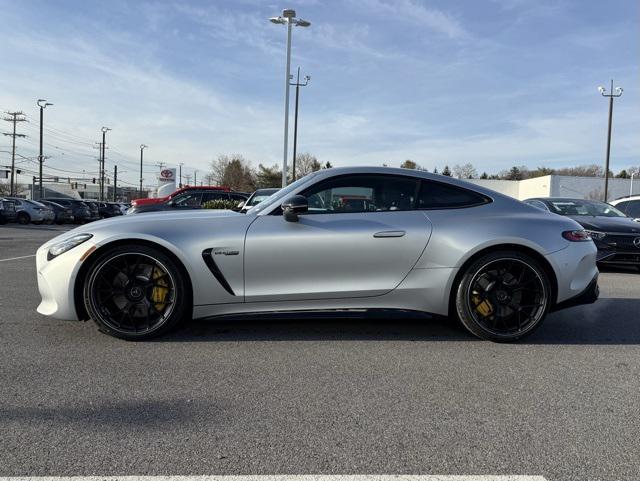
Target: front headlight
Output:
{"points": [[67, 244], [596, 235]]}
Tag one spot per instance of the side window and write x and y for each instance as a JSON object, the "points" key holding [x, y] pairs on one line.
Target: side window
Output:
{"points": [[437, 195], [633, 209], [207, 196], [362, 193], [188, 200], [238, 197]]}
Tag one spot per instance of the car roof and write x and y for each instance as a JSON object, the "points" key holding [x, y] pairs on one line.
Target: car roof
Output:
{"points": [[626, 198]]}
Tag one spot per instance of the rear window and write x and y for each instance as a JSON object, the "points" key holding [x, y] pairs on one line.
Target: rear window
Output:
{"points": [[436, 195]]}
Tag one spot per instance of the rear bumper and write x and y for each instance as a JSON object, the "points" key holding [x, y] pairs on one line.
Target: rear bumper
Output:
{"points": [[588, 296]]}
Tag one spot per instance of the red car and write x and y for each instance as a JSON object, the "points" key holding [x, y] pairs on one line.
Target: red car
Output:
{"points": [[166, 198]]}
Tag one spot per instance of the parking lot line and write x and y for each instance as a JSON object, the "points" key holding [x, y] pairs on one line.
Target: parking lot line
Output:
{"points": [[15, 259], [285, 477]]}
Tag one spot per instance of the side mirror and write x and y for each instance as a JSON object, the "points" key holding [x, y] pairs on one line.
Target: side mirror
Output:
{"points": [[294, 206], [240, 205]]}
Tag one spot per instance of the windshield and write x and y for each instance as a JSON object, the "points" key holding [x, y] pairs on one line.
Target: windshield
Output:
{"points": [[585, 207], [279, 196], [256, 199]]}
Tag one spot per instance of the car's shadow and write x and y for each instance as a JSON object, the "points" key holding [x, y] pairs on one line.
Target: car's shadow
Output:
{"points": [[608, 321]]}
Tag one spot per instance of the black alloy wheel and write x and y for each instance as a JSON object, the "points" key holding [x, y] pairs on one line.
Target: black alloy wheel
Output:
{"points": [[136, 293], [503, 296]]}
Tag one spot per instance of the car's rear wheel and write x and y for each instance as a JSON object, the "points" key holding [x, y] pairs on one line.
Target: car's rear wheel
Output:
{"points": [[23, 218], [136, 293], [503, 296]]}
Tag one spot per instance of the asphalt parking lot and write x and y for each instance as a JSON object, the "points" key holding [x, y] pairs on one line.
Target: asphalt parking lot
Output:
{"points": [[325, 396]]}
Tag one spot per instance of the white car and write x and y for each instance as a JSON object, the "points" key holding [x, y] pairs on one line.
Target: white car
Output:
{"points": [[630, 205]]}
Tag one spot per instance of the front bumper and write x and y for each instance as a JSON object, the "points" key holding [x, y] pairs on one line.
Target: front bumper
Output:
{"points": [[56, 281], [619, 258]]}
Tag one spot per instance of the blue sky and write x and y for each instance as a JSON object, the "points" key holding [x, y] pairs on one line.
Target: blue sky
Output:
{"points": [[492, 82]]}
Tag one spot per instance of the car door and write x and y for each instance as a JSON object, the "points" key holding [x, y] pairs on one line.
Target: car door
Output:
{"points": [[360, 238]]}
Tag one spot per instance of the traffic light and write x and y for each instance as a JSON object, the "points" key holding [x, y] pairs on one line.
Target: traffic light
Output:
{"points": [[94, 180]]}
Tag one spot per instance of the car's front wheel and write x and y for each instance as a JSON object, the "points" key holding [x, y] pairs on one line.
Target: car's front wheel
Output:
{"points": [[503, 296], [23, 218], [136, 292]]}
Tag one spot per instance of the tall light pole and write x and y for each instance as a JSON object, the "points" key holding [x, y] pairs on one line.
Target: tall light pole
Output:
{"points": [[104, 148], [180, 183], [295, 122], [142, 147], [43, 104], [611, 95], [289, 19]]}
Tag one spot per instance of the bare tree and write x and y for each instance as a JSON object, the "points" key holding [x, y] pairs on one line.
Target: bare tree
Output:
{"points": [[305, 164], [5, 189], [466, 171]]}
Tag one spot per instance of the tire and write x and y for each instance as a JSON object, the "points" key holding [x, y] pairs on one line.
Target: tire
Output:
{"points": [[23, 218], [503, 296], [124, 287]]}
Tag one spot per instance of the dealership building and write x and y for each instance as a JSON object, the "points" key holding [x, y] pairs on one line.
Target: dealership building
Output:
{"points": [[562, 186]]}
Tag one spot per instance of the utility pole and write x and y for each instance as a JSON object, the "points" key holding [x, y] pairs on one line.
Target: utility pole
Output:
{"points": [[180, 183], [99, 144], [295, 123], [43, 104], [115, 182], [101, 173], [611, 95], [14, 117], [195, 178], [142, 147]]}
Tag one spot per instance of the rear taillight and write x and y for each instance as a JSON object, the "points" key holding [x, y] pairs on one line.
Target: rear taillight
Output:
{"points": [[576, 235]]}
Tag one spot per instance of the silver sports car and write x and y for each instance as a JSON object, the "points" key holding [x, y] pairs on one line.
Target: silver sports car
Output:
{"points": [[341, 238]]}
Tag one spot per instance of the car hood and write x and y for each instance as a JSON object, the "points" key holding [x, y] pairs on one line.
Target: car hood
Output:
{"points": [[143, 224], [608, 224]]}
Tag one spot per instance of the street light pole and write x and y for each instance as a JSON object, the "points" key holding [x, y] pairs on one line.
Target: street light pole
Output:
{"points": [[295, 122], [142, 147], [611, 95], [289, 19], [43, 104], [180, 183]]}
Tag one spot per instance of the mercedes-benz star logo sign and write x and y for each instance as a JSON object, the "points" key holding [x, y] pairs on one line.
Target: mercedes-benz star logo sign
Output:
{"points": [[636, 242]]}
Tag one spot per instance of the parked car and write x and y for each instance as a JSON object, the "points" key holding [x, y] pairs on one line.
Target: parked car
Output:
{"points": [[255, 198], [190, 198], [94, 209], [108, 209], [426, 243], [123, 206], [80, 211], [7, 211], [62, 213], [630, 205], [616, 236], [32, 211], [165, 199]]}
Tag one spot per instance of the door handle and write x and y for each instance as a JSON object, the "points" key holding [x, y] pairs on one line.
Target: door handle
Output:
{"points": [[389, 233]]}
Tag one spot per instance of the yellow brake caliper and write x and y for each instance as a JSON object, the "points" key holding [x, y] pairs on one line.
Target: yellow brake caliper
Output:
{"points": [[484, 308], [160, 289]]}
